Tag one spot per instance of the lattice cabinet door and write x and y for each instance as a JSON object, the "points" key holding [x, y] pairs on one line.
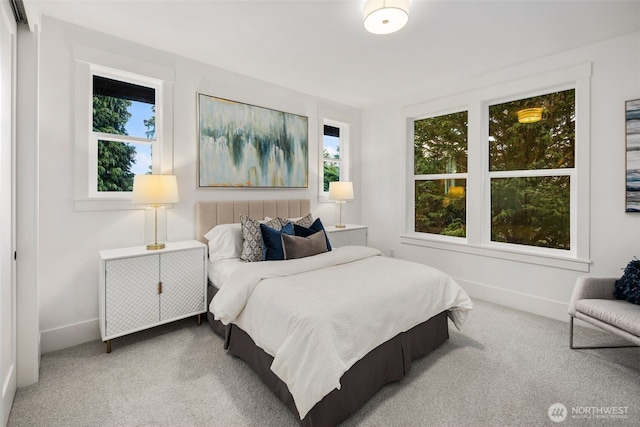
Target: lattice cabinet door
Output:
{"points": [[140, 289], [131, 293], [182, 275]]}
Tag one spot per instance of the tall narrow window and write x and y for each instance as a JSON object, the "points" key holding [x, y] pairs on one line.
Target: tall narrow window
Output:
{"points": [[440, 174], [123, 132], [335, 141], [531, 168], [331, 155]]}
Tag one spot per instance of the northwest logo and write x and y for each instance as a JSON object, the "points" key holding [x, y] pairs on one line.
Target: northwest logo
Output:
{"points": [[557, 412]]}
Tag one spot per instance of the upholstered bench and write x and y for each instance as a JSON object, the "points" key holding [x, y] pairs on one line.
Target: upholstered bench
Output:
{"points": [[593, 302]]}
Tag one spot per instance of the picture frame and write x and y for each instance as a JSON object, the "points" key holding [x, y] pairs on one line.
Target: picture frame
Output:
{"points": [[632, 126], [246, 146]]}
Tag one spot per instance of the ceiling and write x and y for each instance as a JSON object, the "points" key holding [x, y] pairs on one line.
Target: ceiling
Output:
{"points": [[321, 47]]}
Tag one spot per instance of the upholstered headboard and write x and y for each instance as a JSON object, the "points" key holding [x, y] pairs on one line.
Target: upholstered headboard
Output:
{"points": [[210, 214]]}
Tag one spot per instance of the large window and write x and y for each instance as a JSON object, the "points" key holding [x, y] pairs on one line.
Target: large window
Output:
{"points": [[335, 148], [502, 171], [501, 175], [123, 132]]}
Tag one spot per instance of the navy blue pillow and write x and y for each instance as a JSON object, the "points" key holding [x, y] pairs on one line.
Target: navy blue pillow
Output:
{"points": [[314, 228], [272, 239], [628, 286]]}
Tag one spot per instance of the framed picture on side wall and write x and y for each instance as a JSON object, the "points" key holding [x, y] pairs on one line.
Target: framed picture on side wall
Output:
{"points": [[632, 121], [242, 145]]}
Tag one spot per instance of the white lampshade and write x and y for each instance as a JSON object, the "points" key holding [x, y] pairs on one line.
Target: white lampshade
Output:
{"points": [[155, 189], [341, 190], [385, 16]]}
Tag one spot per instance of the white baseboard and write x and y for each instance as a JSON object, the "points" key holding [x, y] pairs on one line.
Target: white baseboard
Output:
{"points": [[8, 393], [70, 335], [529, 303]]}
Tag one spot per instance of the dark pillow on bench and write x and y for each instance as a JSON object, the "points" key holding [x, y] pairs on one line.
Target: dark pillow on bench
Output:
{"points": [[628, 286]]}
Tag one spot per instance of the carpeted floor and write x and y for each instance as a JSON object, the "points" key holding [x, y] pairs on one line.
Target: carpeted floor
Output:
{"points": [[505, 368]]}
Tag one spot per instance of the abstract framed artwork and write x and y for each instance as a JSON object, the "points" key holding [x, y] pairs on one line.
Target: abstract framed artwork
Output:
{"points": [[242, 145], [632, 121]]}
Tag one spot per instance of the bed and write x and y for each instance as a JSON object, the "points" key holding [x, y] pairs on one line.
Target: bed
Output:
{"points": [[327, 363]]}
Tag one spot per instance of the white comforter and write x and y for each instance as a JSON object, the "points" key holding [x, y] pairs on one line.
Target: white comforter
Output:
{"points": [[319, 315]]}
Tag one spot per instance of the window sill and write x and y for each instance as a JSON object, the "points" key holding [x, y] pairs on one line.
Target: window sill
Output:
{"points": [[566, 263]]}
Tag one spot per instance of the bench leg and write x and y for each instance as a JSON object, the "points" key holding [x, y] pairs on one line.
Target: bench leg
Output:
{"points": [[573, 347]]}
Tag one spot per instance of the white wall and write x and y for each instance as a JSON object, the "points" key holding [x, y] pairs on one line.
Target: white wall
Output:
{"points": [[7, 219], [69, 240], [614, 234]]}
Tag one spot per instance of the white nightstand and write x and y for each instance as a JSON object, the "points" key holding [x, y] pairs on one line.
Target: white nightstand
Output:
{"points": [[352, 234], [141, 288]]}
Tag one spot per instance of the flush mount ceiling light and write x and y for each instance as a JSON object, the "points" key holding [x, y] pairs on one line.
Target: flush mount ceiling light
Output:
{"points": [[530, 115], [385, 16]]}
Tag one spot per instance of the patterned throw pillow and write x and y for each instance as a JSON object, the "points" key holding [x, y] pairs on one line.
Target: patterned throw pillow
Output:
{"points": [[305, 221], [252, 246]]}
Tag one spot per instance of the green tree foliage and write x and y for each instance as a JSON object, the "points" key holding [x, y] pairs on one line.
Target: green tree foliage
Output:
{"points": [[531, 211], [331, 169], [115, 159], [438, 211], [547, 144], [150, 124], [536, 210], [110, 115], [440, 146]]}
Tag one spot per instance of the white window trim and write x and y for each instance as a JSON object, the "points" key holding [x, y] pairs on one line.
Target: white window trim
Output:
{"points": [[477, 241], [345, 150], [87, 62], [156, 142]]}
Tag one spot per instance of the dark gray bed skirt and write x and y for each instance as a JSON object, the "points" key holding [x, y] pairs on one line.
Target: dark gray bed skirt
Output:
{"points": [[388, 362], [216, 325]]}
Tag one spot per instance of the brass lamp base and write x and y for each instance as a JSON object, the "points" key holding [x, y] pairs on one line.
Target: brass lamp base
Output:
{"points": [[154, 246], [340, 226]]}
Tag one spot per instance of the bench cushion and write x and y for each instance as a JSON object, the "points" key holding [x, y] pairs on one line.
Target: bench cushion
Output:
{"points": [[618, 313]]}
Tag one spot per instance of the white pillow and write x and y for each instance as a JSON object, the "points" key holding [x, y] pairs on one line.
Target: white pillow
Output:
{"points": [[225, 241]]}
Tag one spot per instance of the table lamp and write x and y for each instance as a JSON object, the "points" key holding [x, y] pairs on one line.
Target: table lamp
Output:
{"points": [[155, 190], [340, 191]]}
